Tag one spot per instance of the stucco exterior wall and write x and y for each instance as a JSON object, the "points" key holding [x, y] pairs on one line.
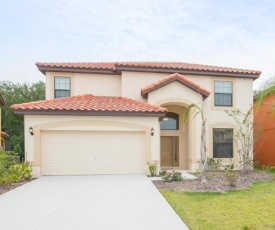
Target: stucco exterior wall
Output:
{"points": [[216, 116], [129, 85], [132, 82], [177, 94], [174, 92], [96, 84], [78, 123]]}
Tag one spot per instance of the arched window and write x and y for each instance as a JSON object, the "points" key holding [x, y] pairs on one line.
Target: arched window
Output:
{"points": [[170, 122]]}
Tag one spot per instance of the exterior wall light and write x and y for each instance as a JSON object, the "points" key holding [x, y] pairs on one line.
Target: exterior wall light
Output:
{"points": [[31, 131], [152, 131]]}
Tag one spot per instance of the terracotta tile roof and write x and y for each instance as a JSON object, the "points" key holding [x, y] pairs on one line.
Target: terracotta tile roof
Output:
{"points": [[174, 77], [113, 66], [89, 102]]}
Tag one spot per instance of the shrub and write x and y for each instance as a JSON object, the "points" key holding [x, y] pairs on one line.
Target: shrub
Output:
{"points": [[153, 168], [5, 179], [231, 178], [8, 158], [162, 172], [21, 171], [172, 176], [17, 148], [214, 165], [230, 166], [15, 173]]}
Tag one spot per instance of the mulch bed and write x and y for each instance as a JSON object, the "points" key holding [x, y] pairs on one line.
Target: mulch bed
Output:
{"points": [[216, 182], [4, 189]]}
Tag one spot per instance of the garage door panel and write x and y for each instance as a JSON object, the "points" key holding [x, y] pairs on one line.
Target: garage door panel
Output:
{"points": [[78, 153]]}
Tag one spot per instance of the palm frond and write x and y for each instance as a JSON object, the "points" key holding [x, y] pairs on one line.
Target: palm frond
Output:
{"points": [[188, 110], [266, 89]]}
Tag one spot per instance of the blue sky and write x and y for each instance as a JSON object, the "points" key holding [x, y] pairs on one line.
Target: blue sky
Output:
{"points": [[226, 33]]}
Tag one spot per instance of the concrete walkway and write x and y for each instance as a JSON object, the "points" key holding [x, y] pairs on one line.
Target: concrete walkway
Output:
{"points": [[114, 202]]}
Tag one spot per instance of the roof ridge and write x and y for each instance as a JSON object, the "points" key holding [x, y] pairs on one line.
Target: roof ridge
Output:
{"points": [[110, 65]]}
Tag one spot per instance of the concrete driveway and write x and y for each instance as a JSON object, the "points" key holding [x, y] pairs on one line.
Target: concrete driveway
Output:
{"points": [[88, 202]]}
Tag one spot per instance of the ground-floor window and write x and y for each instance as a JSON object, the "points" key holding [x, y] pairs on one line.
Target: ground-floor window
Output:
{"points": [[222, 143]]}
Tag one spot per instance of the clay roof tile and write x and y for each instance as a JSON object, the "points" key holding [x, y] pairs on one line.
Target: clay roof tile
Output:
{"points": [[163, 65], [90, 102]]}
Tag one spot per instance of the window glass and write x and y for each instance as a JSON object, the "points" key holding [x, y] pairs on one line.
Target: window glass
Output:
{"points": [[170, 122], [223, 93], [62, 87], [222, 143]]}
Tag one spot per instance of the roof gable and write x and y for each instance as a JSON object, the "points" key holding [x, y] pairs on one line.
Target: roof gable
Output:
{"points": [[172, 78]]}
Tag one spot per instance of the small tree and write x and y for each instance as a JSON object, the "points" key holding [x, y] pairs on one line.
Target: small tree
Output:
{"points": [[243, 137], [198, 109]]}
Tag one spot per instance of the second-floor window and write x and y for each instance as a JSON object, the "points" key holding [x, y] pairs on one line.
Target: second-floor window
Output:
{"points": [[223, 93], [62, 87]]}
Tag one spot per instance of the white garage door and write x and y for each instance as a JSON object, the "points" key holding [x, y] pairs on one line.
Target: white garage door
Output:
{"points": [[86, 152]]}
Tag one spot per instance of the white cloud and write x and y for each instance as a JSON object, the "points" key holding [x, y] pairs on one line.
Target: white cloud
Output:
{"points": [[228, 33]]}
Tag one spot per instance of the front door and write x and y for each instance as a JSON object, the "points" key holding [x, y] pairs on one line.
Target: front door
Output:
{"points": [[169, 151]]}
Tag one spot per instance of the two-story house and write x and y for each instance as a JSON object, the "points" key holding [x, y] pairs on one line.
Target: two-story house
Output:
{"points": [[114, 117]]}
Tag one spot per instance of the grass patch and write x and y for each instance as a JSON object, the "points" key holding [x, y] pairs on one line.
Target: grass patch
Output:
{"points": [[249, 209], [266, 169]]}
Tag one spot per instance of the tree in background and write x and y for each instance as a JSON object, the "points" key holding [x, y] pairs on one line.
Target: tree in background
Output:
{"points": [[13, 124]]}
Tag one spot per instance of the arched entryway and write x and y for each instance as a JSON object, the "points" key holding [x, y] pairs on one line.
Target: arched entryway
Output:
{"points": [[173, 138]]}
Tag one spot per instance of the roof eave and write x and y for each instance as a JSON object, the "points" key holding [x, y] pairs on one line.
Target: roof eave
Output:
{"points": [[44, 69], [187, 71], [87, 113], [119, 68]]}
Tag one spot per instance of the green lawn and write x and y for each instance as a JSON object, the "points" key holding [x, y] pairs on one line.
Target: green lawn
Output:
{"points": [[252, 208], [269, 170]]}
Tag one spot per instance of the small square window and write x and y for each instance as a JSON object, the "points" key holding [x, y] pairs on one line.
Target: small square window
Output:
{"points": [[223, 93], [62, 87]]}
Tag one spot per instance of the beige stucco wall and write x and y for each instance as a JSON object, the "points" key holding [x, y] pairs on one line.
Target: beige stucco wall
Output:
{"points": [[177, 94], [78, 123], [216, 116], [96, 84], [132, 82], [174, 92], [129, 84]]}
